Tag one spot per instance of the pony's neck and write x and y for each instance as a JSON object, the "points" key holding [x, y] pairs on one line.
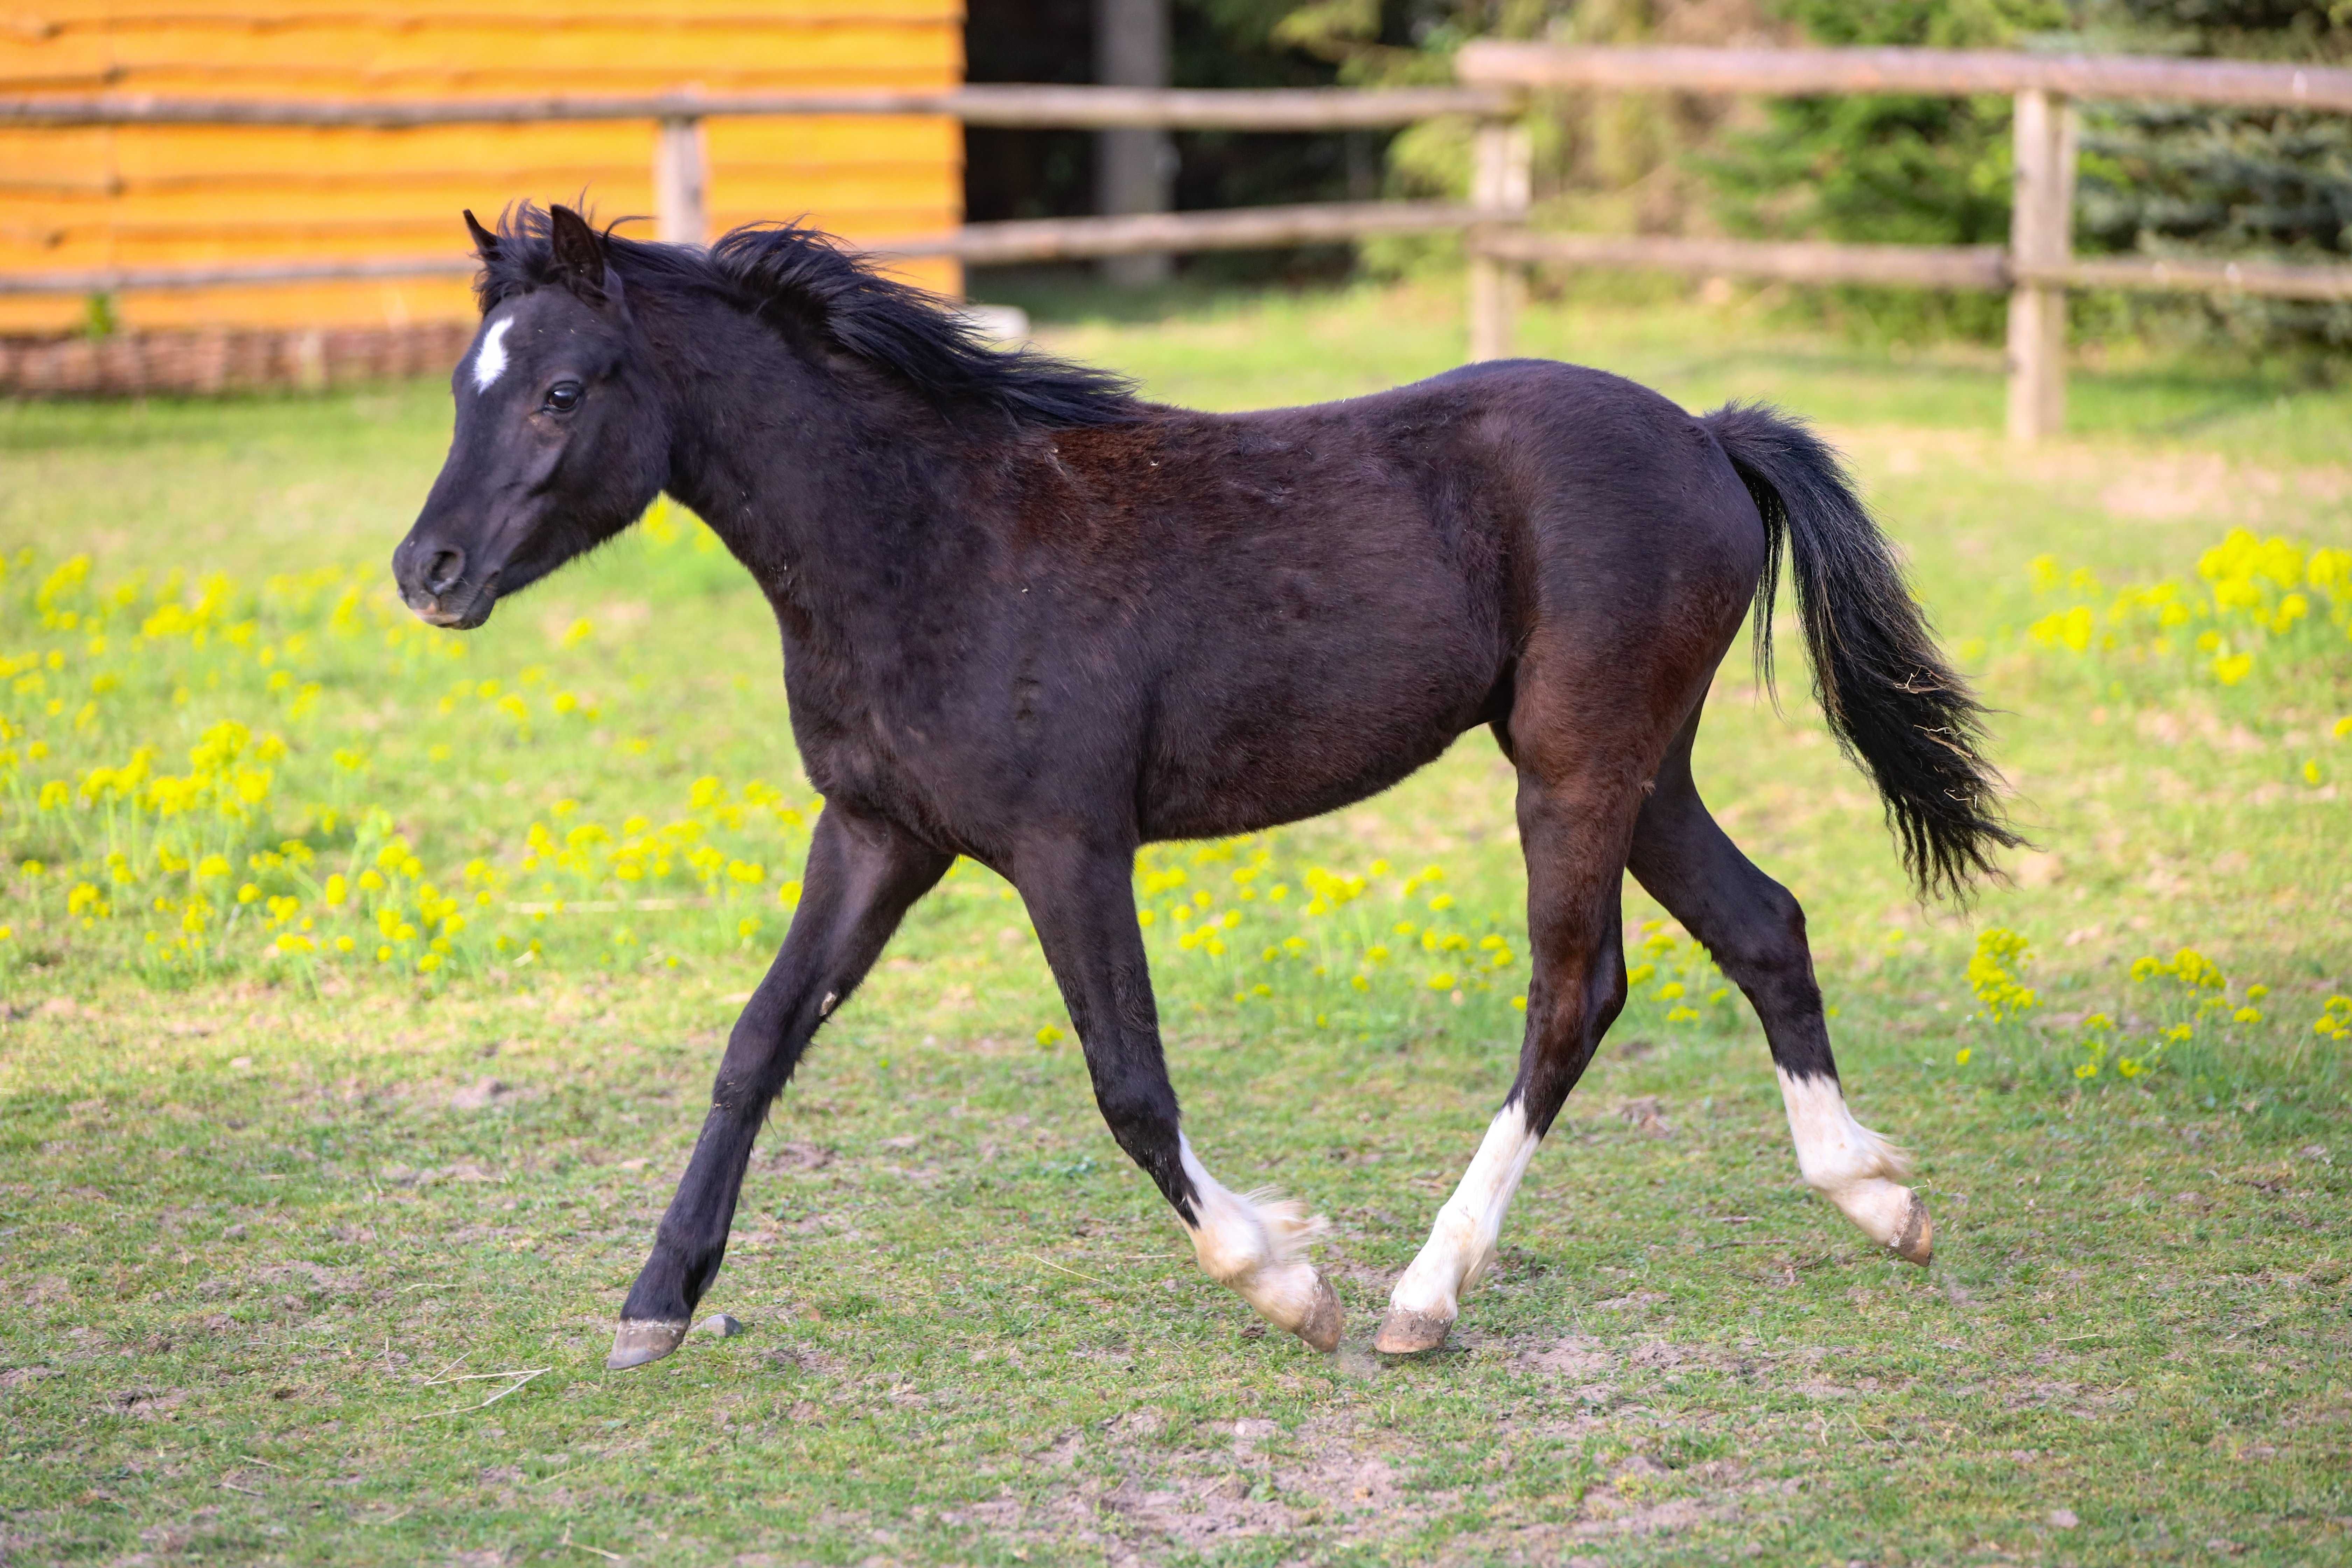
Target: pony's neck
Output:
{"points": [[811, 469]]}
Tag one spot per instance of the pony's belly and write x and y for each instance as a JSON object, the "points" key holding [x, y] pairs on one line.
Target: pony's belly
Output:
{"points": [[1296, 765]]}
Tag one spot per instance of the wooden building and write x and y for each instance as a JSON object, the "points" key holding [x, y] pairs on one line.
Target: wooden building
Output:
{"points": [[74, 201]]}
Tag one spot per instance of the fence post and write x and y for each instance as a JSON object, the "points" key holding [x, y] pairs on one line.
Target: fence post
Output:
{"points": [[1501, 184], [2040, 238], [682, 182]]}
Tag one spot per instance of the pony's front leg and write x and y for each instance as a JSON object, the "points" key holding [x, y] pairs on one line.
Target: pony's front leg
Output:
{"points": [[1082, 899], [863, 875]]}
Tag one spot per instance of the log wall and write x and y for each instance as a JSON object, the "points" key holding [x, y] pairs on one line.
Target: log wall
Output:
{"points": [[96, 198]]}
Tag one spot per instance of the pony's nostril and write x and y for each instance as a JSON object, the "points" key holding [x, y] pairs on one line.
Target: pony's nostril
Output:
{"points": [[441, 573]]}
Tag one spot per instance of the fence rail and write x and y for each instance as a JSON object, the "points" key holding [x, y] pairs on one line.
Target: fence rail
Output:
{"points": [[1927, 73], [1035, 108], [1496, 83], [1983, 269], [979, 245]]}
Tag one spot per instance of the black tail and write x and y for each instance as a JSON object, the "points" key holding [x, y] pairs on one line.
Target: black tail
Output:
{"points": [[1902, 714]]}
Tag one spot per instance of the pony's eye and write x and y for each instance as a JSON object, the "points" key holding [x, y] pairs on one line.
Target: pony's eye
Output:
{"points": [[564, 397]]}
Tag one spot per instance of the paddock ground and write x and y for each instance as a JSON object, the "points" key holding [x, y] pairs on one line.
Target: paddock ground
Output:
{"points": [[265, 1212]]}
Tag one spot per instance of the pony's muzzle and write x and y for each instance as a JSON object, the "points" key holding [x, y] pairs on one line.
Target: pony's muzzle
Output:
{"points": [[433, 583]]}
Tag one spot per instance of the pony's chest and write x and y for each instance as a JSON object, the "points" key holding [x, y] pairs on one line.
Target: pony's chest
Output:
{"points": [[876, 749]]}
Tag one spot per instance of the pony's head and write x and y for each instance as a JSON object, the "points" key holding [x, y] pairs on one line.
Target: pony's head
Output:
{"points": [[562, 437]]}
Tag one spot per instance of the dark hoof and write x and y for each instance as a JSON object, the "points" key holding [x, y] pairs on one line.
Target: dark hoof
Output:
{"points": [[1916, 1242], [1409, 1334], [641, 1340], [1321, 1328]]}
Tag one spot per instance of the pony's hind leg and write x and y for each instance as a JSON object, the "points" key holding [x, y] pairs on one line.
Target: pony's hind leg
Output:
{"points": [[1574, 827], [1756, 931], [1083, 901]]}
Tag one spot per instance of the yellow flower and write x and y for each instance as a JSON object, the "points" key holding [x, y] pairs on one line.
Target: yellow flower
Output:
{"points": [[2087, 1069], [1442, 981], [1049, 1036], [1962, 1055]]}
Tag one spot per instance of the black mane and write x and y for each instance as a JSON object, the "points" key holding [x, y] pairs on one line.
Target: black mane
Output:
{"points": [[768, 268]]}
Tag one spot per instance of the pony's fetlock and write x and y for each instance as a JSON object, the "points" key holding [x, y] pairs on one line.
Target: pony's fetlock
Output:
{"points": [[1255, 1245]]}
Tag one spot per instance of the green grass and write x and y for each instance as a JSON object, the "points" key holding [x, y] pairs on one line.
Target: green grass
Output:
{"points": [[250, 1206]]}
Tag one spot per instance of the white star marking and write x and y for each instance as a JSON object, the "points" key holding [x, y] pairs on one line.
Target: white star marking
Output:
{"points": [[491, 362]]}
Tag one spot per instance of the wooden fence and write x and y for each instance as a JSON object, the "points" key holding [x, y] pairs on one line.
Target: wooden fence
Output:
{"points": [[1495, 84], [2036, 267]]}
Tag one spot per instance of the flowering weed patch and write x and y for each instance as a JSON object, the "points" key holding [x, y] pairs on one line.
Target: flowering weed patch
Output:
{"points": [[2267, 622], [278, 851]]}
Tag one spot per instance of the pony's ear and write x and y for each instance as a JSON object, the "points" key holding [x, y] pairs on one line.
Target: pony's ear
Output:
{"points": [[579, 254], [485, 244]]}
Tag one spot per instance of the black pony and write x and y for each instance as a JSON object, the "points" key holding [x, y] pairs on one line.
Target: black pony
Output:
{"points": [[1030, 618]]}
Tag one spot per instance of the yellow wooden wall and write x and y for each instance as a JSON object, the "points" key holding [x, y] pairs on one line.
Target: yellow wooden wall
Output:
{"points": [[192, 195]]}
